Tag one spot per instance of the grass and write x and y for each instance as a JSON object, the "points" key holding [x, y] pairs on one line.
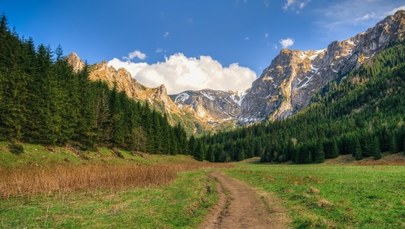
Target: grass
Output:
{"points": [[37, 180], [41, 156], [177, 205], [60, 187], [333, 196], [42, 170]]}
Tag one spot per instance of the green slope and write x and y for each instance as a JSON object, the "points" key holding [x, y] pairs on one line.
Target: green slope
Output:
{"points": [[362, 114]]}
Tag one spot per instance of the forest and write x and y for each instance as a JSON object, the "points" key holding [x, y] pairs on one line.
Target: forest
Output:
{"points": [[42, 100], [360, 114]]}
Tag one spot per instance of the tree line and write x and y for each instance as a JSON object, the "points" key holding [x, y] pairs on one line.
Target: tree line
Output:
{"points": [[42, 100], [361, 114]]}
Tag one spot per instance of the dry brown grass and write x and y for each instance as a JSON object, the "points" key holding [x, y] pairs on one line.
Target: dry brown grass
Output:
{"points": [[46, 180]]}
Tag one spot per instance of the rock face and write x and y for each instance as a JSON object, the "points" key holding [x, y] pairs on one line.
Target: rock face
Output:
{"points": [[293, 78], [74, 61], [211, 106], [125, 82]]}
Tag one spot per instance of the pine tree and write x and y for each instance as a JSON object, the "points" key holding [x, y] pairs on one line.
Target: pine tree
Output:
{"points": [[199, 154], [376, 152], [319, 153], [334, 149], [393, 145], [192, 145], [403, 144], [357, 151], [210, 155]]}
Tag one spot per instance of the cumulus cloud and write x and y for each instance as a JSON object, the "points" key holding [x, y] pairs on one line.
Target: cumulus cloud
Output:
{"points": [[135, 54], [285, 43], [180, 73]]}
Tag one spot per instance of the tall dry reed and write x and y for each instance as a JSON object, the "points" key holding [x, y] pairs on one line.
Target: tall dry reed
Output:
{"points": [[36, 180]]}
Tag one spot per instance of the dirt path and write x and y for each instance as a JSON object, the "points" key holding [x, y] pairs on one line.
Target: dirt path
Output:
{"points": [[241, 206]]}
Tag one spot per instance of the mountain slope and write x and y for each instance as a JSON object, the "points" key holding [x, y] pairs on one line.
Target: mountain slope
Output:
{"points": [[213, 107], [361, 114], [155, 97], [294, 77], [47, 101]]}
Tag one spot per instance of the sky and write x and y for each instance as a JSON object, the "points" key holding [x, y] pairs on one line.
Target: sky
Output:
{"points": [[192, 44]]}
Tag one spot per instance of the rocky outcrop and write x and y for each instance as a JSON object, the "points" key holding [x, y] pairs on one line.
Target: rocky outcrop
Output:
{"points": [[123, 80], [294, 76], [74, 61], [211, 106]]}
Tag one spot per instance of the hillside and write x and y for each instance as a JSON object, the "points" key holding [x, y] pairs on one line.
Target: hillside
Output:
{"points": [[287, 86], [362, 115], [294, 77], [45, 100]]}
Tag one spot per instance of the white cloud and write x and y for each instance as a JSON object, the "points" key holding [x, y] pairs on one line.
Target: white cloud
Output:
{"points": [[288, 3], [266, 35], [295, 5], [392, 12], [135, 54], [246, 38], [348, 13], [180, 73], [366, 17], [166, 34], [285, 43], [160, 50]]}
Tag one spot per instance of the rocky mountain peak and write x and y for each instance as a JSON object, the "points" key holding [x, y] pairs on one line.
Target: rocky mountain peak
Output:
{"points": [[295, 76], [284, 88], [74, 60], [210, 106]]}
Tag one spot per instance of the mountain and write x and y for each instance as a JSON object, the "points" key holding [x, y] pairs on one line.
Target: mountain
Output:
{"points": [[213, 107], [51, 101], [287, 86], [294, 77], [74, 60], [361, 115], [155, 97]]}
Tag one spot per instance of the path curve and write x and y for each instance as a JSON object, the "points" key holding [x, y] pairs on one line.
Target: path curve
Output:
{"points": [[240, 206]]}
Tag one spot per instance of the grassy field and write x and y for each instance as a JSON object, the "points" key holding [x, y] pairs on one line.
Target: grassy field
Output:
{"points": [[61, 187], [333, 196], [41, 156], [178, 205]]}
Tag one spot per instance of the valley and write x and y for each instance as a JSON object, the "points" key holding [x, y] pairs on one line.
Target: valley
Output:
{"points": [[316, 141], [334, 194]]}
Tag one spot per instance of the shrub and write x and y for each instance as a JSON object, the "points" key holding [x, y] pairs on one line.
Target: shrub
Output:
{"points": [[16, 148], [118, 153]]}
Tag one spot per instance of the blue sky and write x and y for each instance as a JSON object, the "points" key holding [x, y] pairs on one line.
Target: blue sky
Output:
{"points": [[247, 32]]}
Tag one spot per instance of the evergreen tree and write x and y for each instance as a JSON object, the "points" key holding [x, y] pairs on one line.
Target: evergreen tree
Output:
{"points": [[334, 149], [393, 145], [357, 151], [319, 153], [376, 152]]}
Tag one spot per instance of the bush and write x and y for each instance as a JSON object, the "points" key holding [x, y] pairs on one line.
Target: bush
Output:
{"points": [[16, 148], [118, 153]]}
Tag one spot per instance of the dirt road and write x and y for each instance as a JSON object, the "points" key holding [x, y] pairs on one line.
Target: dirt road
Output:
{"points": [[241, 206]]}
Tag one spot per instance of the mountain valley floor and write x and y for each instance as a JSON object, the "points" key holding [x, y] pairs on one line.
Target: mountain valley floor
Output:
{"points": [[337, 194]]}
